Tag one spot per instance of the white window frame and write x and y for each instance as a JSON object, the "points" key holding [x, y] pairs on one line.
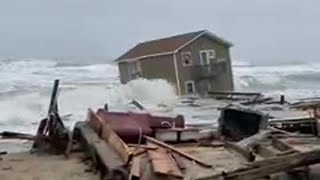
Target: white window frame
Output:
{"points": [[186, 87], [209, 57], [183, 60]]}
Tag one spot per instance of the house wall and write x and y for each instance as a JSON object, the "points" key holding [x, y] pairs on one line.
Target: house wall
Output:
{"points": [[159, 67], [124, 73], [223, 81]]}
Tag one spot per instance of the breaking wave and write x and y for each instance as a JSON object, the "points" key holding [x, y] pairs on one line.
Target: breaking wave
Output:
{"points": [[294, 80], [25, 87]]}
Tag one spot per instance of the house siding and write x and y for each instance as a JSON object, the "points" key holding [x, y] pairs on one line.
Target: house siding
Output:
{"points": [[222, 81], [124, 73], [160, 67]]}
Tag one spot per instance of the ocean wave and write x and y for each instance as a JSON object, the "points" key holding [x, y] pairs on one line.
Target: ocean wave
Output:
{"points": [[305, 77]]}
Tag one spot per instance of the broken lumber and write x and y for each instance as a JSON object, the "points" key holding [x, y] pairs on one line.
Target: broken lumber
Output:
{"points": [[271, 166], [173, 149], [234, 93], [93, 144], [281, 145], [135, 168], [264, 151], [163, 163], [247, 154], [257, 101], [16, 135], [52, 126], [143, 146], [109, 136], [177, 158], [252, 141]]}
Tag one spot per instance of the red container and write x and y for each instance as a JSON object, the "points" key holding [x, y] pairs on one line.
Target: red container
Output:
{"points": [[132, 126]]}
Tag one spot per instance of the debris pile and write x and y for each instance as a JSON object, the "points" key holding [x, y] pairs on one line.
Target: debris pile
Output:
{"points": [[248, 144]]}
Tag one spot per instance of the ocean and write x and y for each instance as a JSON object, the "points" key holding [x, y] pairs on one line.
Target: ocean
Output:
{"points": [[25, 87]]}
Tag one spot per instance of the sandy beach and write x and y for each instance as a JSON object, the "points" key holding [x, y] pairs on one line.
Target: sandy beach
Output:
{"points": [[26, 166]]}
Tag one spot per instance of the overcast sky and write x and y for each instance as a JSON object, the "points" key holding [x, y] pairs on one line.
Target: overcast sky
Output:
{"points": [[261, 30]]}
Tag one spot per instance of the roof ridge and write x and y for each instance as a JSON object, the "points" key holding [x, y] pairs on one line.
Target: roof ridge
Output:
{"points": [[166, 45], [173, 36]]}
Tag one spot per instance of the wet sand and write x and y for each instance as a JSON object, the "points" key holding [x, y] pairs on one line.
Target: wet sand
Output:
{"points": [[26, 166]]}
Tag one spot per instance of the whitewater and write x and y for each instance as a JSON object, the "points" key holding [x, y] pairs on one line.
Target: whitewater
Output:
{"points": [[25, 87]]}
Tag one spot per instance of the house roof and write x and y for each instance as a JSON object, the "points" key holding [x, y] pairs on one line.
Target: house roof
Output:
{"points": [[165, 46]]}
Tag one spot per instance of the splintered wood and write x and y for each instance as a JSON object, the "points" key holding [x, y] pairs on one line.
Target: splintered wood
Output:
{"points": [[173, 149]]}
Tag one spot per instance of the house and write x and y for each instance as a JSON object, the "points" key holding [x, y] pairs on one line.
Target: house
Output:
{"points": [[195, 62]]}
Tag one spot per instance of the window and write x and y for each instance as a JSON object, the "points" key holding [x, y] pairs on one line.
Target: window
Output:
{"points": [[189, 87], [206, 56], [134, 69], [186, 58]]}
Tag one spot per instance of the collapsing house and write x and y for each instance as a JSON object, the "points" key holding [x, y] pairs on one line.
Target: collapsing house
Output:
{"points": [[195, 62]]}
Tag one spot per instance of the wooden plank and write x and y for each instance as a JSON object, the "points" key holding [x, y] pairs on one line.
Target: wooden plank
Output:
{"points": [[95, 123], [267, 167], [264, 151], [282, 146], [250, 142], [135, 168], [94, 145], [292, 120], [163, 164], [247, 154], [111, 138], [173, 149], [143, 146], [179, 161]]}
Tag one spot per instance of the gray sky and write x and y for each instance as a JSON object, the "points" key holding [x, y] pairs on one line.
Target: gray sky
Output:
{"points": [[261, 30]]}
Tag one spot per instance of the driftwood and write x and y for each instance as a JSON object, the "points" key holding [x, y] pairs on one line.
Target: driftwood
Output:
{"points": [[173, 149], [270, 166]]}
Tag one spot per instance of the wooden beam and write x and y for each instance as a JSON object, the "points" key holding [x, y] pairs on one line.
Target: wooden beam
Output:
{"points": [[173, 149]]}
